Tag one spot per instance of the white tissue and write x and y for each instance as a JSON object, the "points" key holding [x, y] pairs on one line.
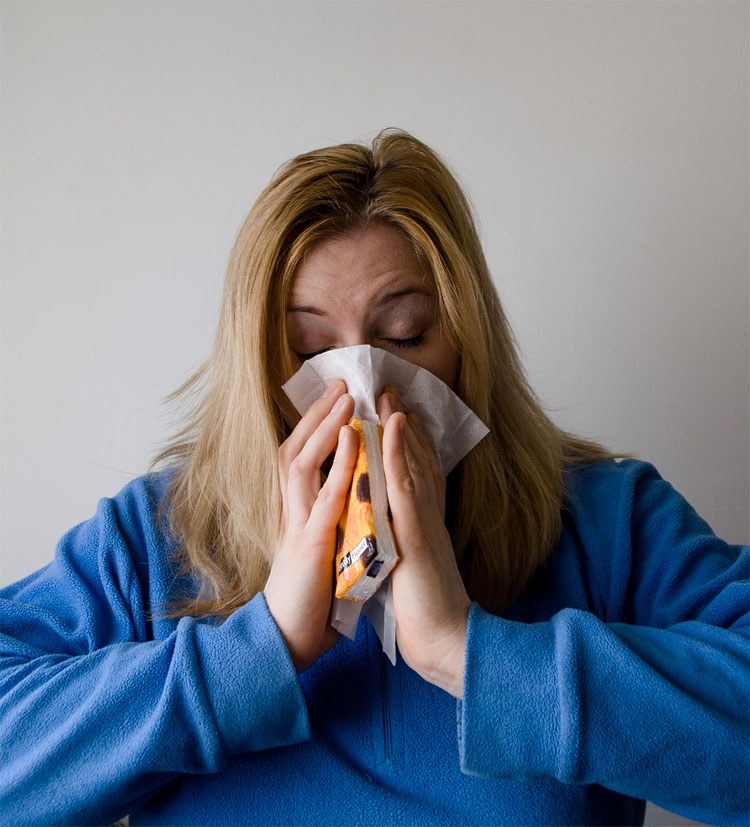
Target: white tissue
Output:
{"points": [[452, 428]]}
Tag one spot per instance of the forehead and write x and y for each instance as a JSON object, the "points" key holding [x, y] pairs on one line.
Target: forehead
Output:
{"points": [[368, 260]]}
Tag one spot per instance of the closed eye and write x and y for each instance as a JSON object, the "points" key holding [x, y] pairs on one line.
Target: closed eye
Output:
{"points": [[414, 341]]}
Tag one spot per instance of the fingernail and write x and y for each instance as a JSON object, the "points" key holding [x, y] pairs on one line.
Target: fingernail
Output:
{"points": [[341, 402], [331, 388], [342, 431]]}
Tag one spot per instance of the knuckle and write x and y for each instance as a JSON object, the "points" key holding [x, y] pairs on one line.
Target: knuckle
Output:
{"points": [[407, 482], [316, 411], [324, 495], [417, 473], [297, 468], [320, 407]]}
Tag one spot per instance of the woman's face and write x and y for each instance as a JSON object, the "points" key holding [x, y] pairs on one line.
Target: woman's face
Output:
{"points": [[367, 287]]}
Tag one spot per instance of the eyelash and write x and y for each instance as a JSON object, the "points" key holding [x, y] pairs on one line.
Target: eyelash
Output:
{"points": [[415, 341]]}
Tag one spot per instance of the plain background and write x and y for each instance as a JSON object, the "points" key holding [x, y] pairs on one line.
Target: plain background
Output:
{"points": [[604, 146]]}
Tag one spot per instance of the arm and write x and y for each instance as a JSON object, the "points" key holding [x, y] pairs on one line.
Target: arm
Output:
{"points": [[94, 716], [655, 707]]}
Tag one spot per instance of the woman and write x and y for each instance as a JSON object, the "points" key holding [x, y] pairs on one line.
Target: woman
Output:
{"points": [[176, 662]]}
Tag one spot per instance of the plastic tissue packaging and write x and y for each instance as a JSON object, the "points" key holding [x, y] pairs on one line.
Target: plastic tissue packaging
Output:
{"points": [[365, 549], [453, 430]]}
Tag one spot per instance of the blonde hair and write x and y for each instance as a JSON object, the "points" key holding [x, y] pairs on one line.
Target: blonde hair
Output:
{"points": [[505, 497]]}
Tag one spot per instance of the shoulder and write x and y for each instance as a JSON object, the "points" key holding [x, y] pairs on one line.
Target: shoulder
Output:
{"points": [[144, 499], [127, 535], [613, 493], [107, 575], [627, 504], [138, 514], [605, 479], [628, 495], [655, 559], [147, 489], [593, 492]]}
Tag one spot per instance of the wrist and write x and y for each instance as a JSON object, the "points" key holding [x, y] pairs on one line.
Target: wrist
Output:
{"points": [[449, 672]]}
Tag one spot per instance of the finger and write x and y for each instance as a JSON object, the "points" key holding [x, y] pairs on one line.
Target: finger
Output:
{"points": [[420, 433], [426, 446], [330, 500], [384, 408], [388, 403], [305, 428], [437, 471], [323, 439], [397, 475], [420, 465], [401, 487], [303, 476]]}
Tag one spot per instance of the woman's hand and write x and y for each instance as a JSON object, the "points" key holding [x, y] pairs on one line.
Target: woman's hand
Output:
{"points": [[300, 586], [430, 601]]}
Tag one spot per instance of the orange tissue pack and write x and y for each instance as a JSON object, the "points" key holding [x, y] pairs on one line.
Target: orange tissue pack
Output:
{"points": [[365, 548]]}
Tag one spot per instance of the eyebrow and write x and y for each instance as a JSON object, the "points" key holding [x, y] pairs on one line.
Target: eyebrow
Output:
{"points": [[383, 300]]}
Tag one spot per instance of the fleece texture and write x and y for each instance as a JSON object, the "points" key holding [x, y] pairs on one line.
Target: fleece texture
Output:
{"points": [[621, 674]]}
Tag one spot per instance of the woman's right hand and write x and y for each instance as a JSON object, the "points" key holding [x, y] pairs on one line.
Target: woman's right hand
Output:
{"points": [[299, 589]]}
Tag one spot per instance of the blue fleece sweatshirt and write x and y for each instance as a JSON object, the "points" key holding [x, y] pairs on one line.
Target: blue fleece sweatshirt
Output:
{"points": [[621, 674]]}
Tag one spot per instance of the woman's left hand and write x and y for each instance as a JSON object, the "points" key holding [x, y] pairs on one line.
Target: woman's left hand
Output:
{"points": [[430, 601]]}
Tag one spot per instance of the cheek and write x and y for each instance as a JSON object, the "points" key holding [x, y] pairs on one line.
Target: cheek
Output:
{"points": [[448, 371], [442, 361]]}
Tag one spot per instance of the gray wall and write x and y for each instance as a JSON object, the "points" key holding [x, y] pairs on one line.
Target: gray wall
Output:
{"points": [[604, 145]]}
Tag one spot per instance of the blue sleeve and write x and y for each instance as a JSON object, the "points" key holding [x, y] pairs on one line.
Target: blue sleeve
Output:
{"points": [[654, 705], [95, 717]]}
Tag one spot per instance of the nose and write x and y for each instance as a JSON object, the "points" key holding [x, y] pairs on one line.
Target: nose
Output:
{"points": [[355, 336]]}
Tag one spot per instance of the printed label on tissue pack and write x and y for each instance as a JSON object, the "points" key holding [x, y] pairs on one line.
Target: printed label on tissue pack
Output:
{"points": [[365, 550]]}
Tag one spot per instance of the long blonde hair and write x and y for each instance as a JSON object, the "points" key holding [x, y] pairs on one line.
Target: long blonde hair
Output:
{"points": [[505, 498]]}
